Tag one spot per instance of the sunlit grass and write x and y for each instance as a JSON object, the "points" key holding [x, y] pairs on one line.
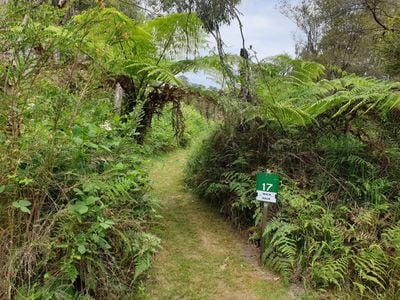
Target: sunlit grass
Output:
{"points": [[201, 256]]}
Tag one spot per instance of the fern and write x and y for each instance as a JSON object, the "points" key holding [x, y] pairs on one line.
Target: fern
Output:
{"points": [[290, 92], [280, 247], [330, 271], [142, 264], [215, 188], [371, 266], [391, 238], [152, 71], [112, 35], [178, 33], [120, 187]]}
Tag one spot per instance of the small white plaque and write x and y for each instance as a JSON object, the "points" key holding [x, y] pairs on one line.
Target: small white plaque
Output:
{"points": [[266, 196]]}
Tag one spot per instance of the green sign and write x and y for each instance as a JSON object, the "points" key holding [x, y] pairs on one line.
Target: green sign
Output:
{"points": [[267, 186]]}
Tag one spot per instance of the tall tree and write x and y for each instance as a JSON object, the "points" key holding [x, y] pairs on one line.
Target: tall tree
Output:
{"points": [[344, 33], [214, 14]]}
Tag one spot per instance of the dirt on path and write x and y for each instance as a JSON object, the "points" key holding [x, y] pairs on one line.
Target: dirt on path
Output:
{"points": [[202, 256]]}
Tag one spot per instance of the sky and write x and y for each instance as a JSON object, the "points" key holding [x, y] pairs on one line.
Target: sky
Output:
{"points": [[265, 28]]}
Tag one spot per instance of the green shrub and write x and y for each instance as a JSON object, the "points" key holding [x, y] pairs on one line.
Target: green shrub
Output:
{"points": [[80, 224], [338, 206]]}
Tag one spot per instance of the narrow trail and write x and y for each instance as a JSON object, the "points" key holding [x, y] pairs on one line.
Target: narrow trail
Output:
{"points": [[202, 256]]}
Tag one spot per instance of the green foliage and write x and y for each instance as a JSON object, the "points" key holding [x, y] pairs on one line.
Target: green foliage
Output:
{"points": [[22, 205], [162, 137], [112, 36], [74, 195], [177, 33], [335, 145], [212, 13], [389, 47], [291, 93], [281, 247], [126, 46], [89, 201], [357, 36]]}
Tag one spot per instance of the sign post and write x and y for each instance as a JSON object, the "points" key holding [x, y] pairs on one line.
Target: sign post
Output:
{"points": [[267, 186]]}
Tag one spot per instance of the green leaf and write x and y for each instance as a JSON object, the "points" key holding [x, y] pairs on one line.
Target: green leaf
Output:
{"points": [[76, 130], [92, 130], [95, 238], [92, 145], [107, 224], [77, 140], [78, 191], [104, 244], [142, 264], [22, 205], [91, 200], [105, 148], [119, 166], [25, 181], [70, 270], [2, 188], [82, 249], [80, 207], [25, 209]]}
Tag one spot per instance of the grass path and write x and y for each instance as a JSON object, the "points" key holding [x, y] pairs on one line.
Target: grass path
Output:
{"points": [[202, 256]]}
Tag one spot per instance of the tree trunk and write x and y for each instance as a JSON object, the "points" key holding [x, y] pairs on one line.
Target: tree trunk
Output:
{"points": [[118, 97]]}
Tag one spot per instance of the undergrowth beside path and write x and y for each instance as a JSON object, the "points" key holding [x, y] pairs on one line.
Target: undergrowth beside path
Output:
{"points": [[202, 256]]}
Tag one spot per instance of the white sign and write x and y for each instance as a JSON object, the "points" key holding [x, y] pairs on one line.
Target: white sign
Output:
{"points": [[266, 196]]}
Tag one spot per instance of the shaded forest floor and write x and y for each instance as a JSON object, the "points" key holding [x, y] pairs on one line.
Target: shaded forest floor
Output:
{"points": [[203, 257]]}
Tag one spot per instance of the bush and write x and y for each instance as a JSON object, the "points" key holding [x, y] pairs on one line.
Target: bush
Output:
{"points": [[76, 213], [336, 221]]}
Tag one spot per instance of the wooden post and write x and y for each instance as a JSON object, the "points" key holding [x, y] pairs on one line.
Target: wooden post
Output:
{"points": [[264, 220]]}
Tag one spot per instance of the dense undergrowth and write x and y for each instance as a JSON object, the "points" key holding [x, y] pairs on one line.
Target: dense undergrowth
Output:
{"points": [[75, 210], [81, 86], [82, 212], [336, 224], [79, 214]]}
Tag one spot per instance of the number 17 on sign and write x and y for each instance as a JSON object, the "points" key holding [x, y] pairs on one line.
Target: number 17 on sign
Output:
{"points": [[267, 185]]}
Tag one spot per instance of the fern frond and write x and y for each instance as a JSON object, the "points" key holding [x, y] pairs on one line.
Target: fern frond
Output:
{"points": [[371, 265], [152, 71], [330, 271], [280, 247], [177, 32]]}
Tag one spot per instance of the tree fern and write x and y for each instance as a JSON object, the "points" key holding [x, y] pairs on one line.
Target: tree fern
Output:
{"points": [[152, 72], [179, 34], [113, 35], [291, 92]]}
